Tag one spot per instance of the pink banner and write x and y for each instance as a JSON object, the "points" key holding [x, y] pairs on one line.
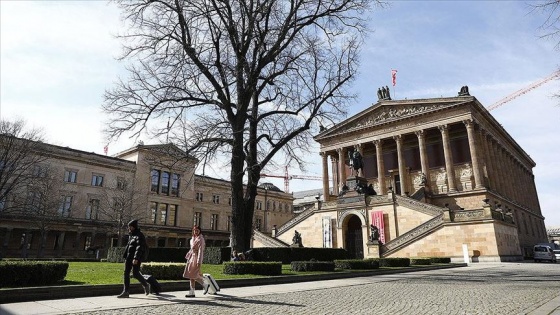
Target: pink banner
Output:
{"points": [[377, 220]]}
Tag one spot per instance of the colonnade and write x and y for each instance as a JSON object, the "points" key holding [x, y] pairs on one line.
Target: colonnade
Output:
{"points": [[496, 161]]}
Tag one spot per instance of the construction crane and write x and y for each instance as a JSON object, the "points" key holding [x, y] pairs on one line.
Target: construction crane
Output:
{"points": [[288, 177], [532, 86]]}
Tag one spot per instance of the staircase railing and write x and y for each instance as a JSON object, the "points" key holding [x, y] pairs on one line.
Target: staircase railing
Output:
{"points": [[412, 235], [268, 241], [295, 220], [419, 206]]}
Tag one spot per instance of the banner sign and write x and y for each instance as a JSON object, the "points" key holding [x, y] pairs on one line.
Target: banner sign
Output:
{"points": [[377, 220]]}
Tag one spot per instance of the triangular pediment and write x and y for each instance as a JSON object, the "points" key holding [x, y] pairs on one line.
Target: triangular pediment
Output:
{"points": [[386, 112]]}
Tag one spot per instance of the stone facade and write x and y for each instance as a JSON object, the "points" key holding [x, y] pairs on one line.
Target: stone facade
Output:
{"points": [[164, 194], [445, 173]]}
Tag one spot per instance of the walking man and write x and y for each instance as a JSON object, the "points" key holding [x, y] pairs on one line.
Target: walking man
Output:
{"points": [[133, 254]]}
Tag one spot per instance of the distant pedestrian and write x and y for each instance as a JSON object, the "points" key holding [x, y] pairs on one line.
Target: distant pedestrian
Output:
{"points": [[194, 259], [133, 254]]}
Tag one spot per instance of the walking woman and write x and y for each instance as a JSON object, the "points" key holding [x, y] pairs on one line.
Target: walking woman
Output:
{"points": [[194, 261]]}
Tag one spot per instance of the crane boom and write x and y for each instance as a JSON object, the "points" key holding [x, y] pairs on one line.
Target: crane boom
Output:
{"points": [[288, 177], [524, 90]]}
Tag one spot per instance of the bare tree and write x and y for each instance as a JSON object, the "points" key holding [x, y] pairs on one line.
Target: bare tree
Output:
{"points": [[120, 202], [551, 25], [43, 205], [20, 155], [249, 80]]}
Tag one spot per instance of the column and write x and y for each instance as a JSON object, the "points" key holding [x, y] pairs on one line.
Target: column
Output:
{"points": [[326, 192], [6, 241], [402, 166], [341, 167], [335, 180], [449, 169], [485, 158], [380, 166], [474, 154], [423, 155], [360, 148], [498, 187]]}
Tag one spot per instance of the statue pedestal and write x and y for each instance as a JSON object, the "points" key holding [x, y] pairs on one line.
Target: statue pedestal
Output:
{"points": [[353, 181], [372, 249], [296, 245]]}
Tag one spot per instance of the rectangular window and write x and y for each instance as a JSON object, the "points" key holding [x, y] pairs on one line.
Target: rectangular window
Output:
{"points": [[33, 202], [216, 199], [197, 218], [267, 205], [259, 205], [175, 180], [199, 196], [258, 223], [97, 180], [153, 212], [172, 214], [155, 181], [229, 201], [87, 242], [165, 176], [64, 209], [70, 176], [92, 210], [229, 223], [39, 171], [214, 222], [162, 213]]}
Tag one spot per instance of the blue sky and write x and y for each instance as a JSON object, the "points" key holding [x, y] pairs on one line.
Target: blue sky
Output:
{"points": [[58, 57]]}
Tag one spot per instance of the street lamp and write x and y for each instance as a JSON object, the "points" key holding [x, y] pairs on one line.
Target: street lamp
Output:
{"points": [[394, 210]]}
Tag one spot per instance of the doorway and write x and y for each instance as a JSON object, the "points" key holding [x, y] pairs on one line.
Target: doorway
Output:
{"points": [[354, 240], [397, 180]]}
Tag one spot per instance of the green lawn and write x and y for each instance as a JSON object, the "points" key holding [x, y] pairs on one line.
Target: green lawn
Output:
{"points": [[112, 273]]}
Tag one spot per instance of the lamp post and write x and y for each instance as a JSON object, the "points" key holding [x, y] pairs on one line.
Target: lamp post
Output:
{"points": [[394, 211]]}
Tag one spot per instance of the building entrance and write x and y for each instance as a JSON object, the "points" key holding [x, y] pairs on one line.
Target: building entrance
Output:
{"points": [[354, 240]]}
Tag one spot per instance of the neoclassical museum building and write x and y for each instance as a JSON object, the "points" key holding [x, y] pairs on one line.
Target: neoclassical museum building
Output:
{"points": [[440, 178]]}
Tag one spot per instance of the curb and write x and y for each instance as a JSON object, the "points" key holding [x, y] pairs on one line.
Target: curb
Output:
{"points": [[13, 295]]}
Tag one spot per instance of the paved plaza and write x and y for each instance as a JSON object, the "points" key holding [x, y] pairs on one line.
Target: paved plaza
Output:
{"points": [[485, 288]]}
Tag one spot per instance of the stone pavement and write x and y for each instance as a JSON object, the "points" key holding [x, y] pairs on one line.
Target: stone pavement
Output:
{"points": [[485, 288]]}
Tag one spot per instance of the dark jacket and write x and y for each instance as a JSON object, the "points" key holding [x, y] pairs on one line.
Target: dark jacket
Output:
{"points": [[136, 246]]}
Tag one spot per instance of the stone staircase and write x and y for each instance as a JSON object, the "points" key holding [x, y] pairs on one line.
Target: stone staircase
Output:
{"points": [[295, 220], [267, 240], [413, 235]]}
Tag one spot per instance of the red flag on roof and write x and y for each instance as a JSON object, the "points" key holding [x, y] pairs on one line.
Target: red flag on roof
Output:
{"points": [[106, 149], [394, 77]]}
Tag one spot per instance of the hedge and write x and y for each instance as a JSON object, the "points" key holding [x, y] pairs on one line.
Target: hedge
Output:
{"points": [[254, 268], [288, 254], [394, 262], [312, 266], [31, 273], [357, 264], [420, 261], [440, 260], [212, 255], [163, 271]]}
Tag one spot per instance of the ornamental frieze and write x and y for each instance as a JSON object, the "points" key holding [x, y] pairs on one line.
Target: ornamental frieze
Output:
{"points": [[389, 113]]}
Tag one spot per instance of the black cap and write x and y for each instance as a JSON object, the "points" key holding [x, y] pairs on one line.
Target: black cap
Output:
{"points": [[133, 223]]}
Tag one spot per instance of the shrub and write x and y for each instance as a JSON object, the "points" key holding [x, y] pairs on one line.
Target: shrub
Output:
{"points": [[288, 254], [357, 264], [164, 271], [212, 255], [252, 267], [310, 253], [31, 273], [394, 262], [420, 261], [312, 266], [440, 260]]}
